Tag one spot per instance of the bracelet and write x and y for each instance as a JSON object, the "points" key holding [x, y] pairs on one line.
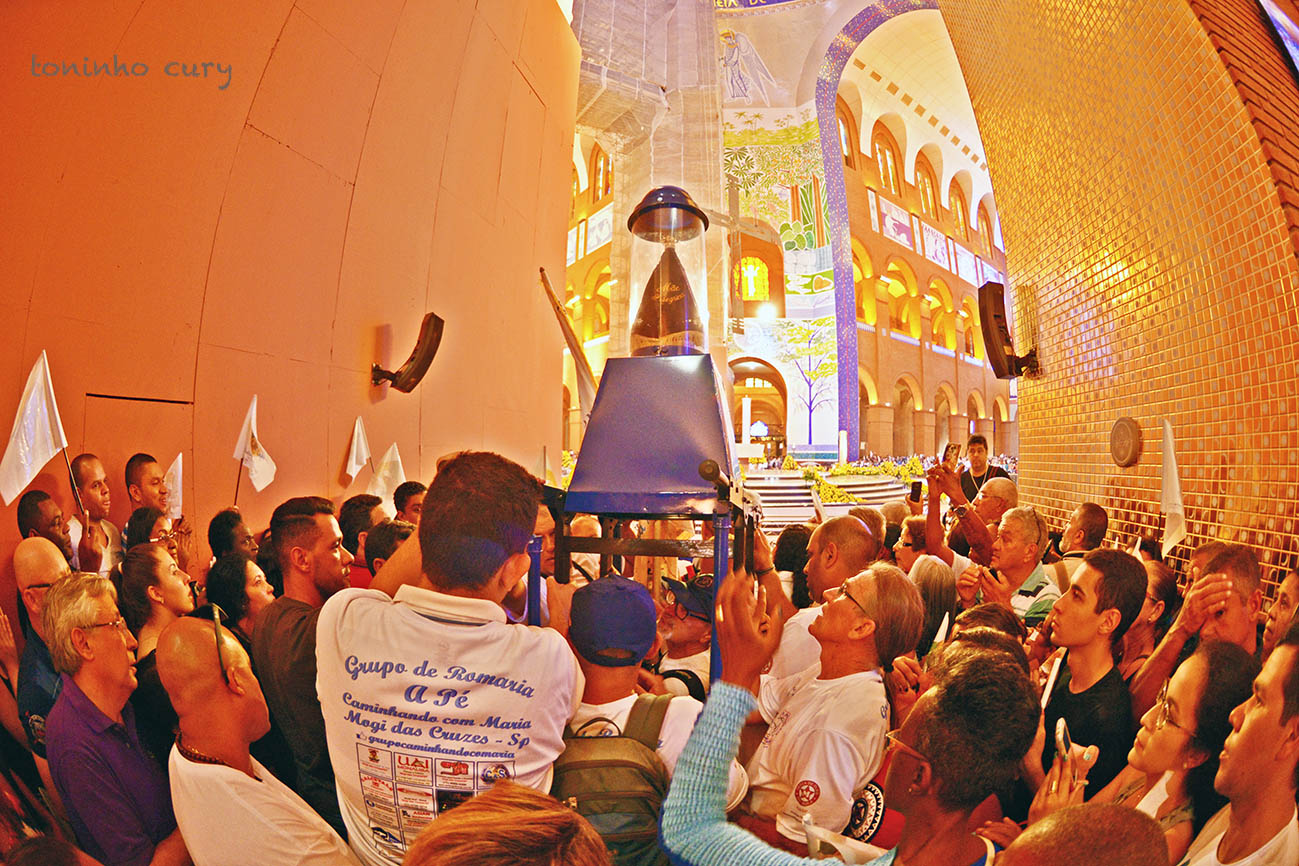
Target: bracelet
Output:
{"points": [[771, 570], [960, 510]]}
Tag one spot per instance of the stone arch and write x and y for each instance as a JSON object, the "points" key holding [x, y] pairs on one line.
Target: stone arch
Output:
{"points": [[863, 278], [906, 403], [942, 315], [944, 408], [867, 383], [767, 404], [896, 128], [975, 407]]}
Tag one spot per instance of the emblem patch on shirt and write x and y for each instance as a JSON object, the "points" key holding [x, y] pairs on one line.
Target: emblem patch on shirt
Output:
{"points": [[807, 792], [867, 812]]}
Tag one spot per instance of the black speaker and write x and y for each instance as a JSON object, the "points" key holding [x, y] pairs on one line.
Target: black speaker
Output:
{"points": [[996, 335], [409, 374]]}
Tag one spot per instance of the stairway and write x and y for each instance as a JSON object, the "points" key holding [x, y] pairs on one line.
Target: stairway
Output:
{"points": [[787, 498]]}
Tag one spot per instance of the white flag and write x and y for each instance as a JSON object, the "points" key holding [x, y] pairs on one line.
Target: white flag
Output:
{"points": [[37, 435], [358, 454], [387, 476], [173, 480], [1170, 496], [261, 468]]}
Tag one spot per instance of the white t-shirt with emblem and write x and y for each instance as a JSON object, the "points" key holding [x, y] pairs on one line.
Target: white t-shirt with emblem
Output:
{"points": [[825, 740], [429, 699], [798, 650], [1281, 850], [678, 722]]}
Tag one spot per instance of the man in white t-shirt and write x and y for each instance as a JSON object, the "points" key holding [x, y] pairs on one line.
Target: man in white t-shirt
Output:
{"points": [[217, 787], [826, 725], [838, 549], [430, 696], [103, 549], [1258, 773], [612, 629]]}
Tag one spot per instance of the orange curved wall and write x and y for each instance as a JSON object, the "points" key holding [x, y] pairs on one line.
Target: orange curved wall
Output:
{"points": [[169, 238]]}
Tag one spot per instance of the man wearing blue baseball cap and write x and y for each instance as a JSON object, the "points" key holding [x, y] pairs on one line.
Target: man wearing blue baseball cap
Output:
{"points": [[686, 627], [612, 629]]}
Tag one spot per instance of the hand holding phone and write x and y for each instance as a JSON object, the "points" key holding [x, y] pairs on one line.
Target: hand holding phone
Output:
{"points": [[951, 453], [916, 487]]}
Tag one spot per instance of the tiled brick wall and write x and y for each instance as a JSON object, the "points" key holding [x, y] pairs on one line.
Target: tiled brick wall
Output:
{"points": [[1241, 34], [1152, 258]]}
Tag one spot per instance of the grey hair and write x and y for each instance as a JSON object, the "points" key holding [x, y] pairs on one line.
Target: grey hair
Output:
{"points": [[1031, 525], [70, 604]]}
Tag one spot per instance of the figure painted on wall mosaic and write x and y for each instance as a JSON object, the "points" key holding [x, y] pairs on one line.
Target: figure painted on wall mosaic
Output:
{"points": [[743, 70]]}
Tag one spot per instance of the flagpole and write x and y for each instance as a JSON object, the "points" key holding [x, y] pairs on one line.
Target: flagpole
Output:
{"points": [[76, 494], [239, 476]]}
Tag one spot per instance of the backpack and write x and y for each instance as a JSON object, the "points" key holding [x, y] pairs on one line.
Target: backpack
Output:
{"points": [[694, 684], [618, 782]]}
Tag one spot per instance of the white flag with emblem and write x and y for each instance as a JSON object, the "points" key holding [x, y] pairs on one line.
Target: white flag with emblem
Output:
{"points": [[1170, 496], [387, 476], [173, 480], [358, 453], [249, 450], [37, 434]]}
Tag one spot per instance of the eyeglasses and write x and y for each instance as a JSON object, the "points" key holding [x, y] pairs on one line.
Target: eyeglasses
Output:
{"points": [[843, 590], [163, 537], [217, 615], [119, 624], [1163, 716], [896, 742], [682, 612]]}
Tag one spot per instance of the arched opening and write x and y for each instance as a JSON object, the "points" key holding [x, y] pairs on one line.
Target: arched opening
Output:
{"points": [[764, 386], [971, 330], [974, 410], [867, 396], [863, 279], [847, 133], [987, 235], [906, 400], [942, 418], [758, 280], [1000, 418], [927, 184], [888, 160], [904, 299], [942, 316]]}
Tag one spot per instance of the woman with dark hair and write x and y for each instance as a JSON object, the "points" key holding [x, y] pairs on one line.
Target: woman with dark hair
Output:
{"points": [[239, 587], [790, 556], [1174, 759], [150, 526], [1163, 600], [152, 593], [992, 615]]}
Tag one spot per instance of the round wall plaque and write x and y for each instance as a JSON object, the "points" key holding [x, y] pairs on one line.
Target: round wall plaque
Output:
{"points": [[1125, 441]]}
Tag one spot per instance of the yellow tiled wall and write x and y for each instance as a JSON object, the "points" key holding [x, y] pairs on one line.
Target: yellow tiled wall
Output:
{"points": [[1151, 265]]}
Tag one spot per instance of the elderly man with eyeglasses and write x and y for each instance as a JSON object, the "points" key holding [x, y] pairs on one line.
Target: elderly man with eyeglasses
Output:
{"points": [[116, 796], [1017, 578], [825, 726]]}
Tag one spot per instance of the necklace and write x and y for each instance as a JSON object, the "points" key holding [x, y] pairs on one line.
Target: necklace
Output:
{"points": [[196, 756], [978, 485]]}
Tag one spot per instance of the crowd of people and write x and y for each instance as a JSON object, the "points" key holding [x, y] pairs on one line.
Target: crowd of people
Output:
{"points": [[946, 681]]}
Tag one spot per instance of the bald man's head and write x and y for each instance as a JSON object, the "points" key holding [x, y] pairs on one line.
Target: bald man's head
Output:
{"points": [[37, 564], [190, 670], [1090, 833]]}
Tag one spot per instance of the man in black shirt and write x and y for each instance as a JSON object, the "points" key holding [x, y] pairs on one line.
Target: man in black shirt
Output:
{"points": [[979, 471], [314, 562], [1090, 695]]}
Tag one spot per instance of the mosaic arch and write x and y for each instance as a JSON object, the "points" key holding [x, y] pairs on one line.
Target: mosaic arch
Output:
{"points": [[827, 88]]}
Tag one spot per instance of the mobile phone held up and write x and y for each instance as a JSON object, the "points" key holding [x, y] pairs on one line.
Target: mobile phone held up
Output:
{"points": [[1062, 742], [951, 453], [915, 491]]}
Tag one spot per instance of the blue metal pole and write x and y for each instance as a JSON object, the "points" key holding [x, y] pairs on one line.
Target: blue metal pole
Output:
{"points": [[721, 567], [534, 580]]}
